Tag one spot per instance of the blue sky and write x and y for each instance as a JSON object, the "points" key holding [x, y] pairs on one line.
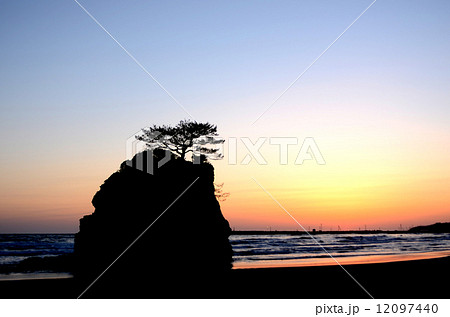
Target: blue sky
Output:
{"points": [[70, 94]]}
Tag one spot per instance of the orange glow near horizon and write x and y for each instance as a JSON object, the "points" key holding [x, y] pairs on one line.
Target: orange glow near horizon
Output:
{"points": [[383, 187], [371, 188]]}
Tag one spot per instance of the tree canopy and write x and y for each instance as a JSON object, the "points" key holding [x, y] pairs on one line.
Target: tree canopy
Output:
{"points": [[187, 136]]}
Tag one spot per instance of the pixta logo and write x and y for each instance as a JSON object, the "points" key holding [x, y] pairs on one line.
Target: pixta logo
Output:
{"points": [[146, 156]]}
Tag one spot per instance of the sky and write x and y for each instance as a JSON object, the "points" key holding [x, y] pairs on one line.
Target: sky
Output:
{"points": [[376, 103]]}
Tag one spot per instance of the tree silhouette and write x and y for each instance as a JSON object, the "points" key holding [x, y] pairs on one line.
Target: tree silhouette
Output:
{"points": [[187, 136]]}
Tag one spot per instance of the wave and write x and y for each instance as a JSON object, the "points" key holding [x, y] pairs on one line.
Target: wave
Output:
{"points": [[250, 248], [282, 247], [17, 247]]}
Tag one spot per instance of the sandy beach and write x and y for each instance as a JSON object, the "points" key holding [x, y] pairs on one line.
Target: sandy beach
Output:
{"points": [[419, 278], [426, 278]]}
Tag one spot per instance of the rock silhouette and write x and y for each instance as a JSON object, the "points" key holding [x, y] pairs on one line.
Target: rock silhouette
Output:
{"points": [[187, 241], [439, 227]]}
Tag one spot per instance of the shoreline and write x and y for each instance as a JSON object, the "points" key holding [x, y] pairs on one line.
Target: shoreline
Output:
{"points": [[408, 279], [268, 264], [27, 276], [419, 278], [341, 260]]}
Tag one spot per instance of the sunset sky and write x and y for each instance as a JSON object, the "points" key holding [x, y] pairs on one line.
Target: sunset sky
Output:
{"points": [[377, 104]]}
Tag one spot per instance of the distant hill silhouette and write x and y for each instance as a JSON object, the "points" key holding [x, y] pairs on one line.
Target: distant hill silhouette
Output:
{"points": [[188, 243], [440, 227]]}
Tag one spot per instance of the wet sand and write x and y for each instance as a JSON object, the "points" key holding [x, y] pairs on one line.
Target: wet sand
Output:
{"points": [[420, 278], [346, 260], [426, 278]]}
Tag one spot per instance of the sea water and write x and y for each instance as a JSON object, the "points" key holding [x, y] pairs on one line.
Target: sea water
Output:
{"points": [[253, 249], [17, 247]]}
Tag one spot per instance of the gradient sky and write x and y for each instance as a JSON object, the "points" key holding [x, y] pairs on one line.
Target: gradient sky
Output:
{"points": [[377, 104]]}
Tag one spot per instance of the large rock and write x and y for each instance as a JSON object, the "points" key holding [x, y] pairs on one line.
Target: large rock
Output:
{"points": [[172, 237]]}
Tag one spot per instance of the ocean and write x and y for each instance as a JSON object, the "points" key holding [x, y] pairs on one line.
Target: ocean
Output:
{"points": [[17, 247], [254, 250], [276, 250]]}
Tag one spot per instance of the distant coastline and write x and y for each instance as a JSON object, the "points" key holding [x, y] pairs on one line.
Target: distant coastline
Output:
{"points": [[439, 227], [298, 232]]}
